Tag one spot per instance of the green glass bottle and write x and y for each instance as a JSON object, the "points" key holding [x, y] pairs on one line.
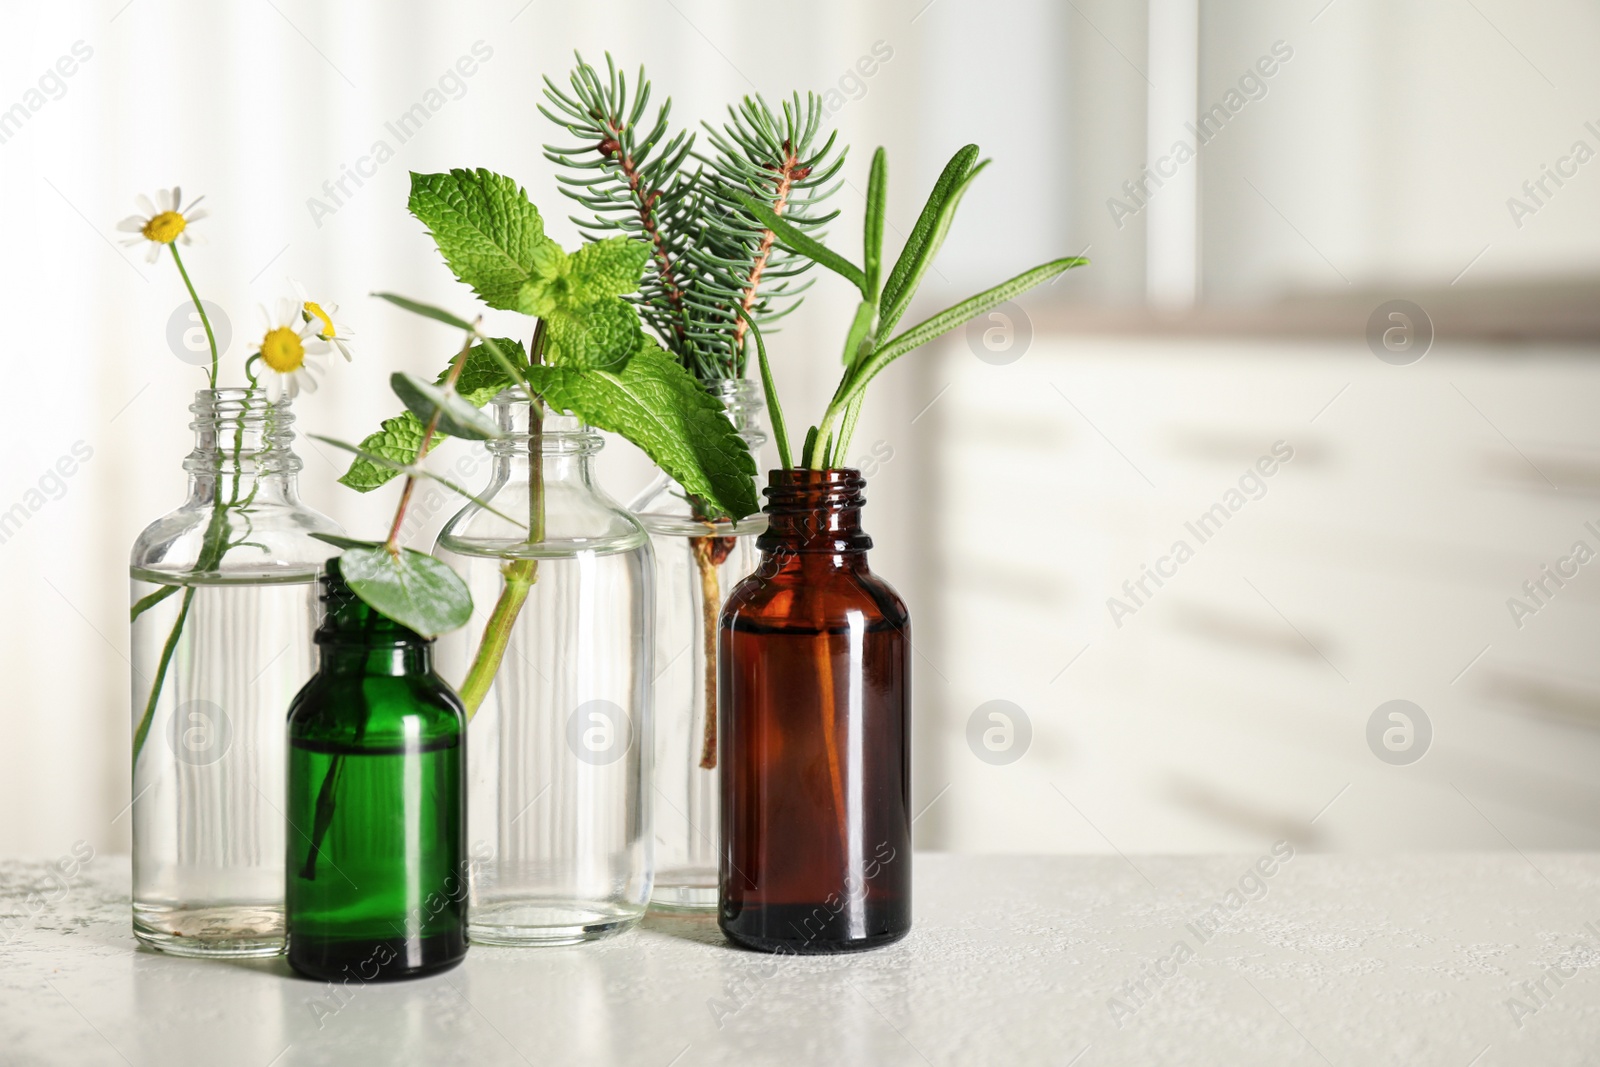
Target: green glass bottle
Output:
{"points": [[377, 879]]}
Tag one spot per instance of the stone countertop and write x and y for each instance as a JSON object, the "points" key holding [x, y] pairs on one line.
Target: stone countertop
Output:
{"points": [[1061, 960]]}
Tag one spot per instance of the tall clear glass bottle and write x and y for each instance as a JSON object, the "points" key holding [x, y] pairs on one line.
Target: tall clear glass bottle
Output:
{"points": [[815, 699], [224, 607], [555, 670], [698, 562]]}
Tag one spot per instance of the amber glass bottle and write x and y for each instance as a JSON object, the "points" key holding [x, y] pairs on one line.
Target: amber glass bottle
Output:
{"points": [[814, 697]]}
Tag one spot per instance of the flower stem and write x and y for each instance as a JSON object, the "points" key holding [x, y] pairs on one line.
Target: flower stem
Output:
{"points": [[211, 338], [143, 729]]}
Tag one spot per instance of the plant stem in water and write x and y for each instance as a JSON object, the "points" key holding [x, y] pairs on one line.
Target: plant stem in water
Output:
{"points": [[519, 574], [161, 673], [710, 601], [519, 577]]}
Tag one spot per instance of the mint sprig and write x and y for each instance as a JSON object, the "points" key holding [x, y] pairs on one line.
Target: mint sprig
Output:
{"points": [[659, 406]]}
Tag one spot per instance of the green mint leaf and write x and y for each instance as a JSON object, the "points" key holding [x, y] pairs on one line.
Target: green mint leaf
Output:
{"points": [[485, 377], [398, 440], [490, 234], [609, 268], [413, 589], [601, 335], [550, 287], [663, 409], [457, 416]]}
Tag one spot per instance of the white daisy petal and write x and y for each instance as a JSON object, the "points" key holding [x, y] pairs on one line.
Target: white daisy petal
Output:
{"points": [[146, 206], [132, 224], [195, 216], [154, 253]]}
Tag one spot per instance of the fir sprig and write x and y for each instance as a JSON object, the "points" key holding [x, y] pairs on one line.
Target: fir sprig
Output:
{"points": [[711, 257], [631, 178], [738, 264]]}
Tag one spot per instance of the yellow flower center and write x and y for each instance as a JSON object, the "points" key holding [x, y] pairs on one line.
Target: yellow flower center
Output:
{"points": [[282, 351], [165, 227], [315, 311]]}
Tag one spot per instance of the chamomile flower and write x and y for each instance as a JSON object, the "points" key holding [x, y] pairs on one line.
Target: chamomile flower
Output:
{"points": [[290, 348], [163, 222], [321, 316]]}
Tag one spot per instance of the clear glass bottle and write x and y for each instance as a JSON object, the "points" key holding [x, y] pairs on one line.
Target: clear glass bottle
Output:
{"points": [[815, 689], [554, 670], [224, 607], [698, 562], [377, 886]]}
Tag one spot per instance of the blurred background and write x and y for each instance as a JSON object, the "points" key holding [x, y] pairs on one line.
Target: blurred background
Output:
{"points": [[1352, 242]]}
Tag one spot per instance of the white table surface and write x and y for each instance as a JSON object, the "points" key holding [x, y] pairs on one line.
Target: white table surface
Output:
{"points": [[1345, 960]]}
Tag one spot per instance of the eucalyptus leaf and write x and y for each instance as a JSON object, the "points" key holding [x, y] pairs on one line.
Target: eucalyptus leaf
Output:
{"points": [[457, 417], [415, 470], [427, 311], [413, 589], [341, 541], [491, 368]]}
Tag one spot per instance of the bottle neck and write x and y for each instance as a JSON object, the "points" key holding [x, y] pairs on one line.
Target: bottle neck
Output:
{"points": [[559, 448], [743, 402], [355, 639], [242, 450], [815, 516]]}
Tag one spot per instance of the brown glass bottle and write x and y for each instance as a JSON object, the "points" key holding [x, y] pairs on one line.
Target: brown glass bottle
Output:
{"points": [[814, 699]]}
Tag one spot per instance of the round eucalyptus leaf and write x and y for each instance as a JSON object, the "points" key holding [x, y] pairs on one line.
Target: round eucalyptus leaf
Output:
{"points": [[457, 417], [413, 589]]}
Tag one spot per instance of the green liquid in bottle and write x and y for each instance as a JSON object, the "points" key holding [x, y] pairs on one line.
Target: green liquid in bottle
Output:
{"points": [[376, 879]]}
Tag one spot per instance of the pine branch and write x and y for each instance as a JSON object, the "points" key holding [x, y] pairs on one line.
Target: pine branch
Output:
{"points": [[710, 258], [640, 190], [739, 264]]}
